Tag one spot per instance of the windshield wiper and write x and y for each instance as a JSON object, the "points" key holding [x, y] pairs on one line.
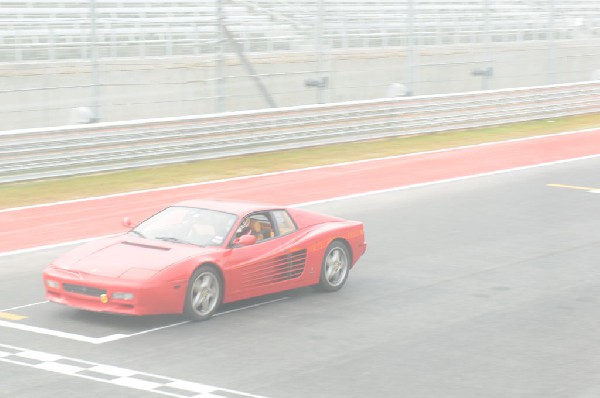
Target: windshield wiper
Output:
{"points": [[172, 239], [133, 231]]}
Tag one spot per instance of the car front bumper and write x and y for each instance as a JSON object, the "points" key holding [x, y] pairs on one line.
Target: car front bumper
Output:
{"points": [[93, 293]]}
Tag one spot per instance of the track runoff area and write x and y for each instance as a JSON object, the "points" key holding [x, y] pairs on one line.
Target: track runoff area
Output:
{"points": [[52, 225]]}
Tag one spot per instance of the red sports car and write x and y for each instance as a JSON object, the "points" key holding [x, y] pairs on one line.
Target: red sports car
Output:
{"points": [[192, 256]]}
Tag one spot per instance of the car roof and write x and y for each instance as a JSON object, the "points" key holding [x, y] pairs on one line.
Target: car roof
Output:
{"points": [[228, 206]]}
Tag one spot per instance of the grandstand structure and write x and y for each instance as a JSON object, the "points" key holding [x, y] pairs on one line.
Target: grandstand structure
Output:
{"points": [[81, 61], [49, 30]]}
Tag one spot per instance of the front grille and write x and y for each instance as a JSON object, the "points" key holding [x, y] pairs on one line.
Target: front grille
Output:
{"points": [[85, 290]]}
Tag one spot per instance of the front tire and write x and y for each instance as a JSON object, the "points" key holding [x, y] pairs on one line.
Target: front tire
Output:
{"points": [[335, 267], [204, 293]]}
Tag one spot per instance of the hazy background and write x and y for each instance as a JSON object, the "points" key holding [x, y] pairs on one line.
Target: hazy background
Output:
{"points": [[74, 61]]}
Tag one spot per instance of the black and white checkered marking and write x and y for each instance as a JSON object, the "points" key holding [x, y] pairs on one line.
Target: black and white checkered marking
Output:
{"points": [[114, 375]]}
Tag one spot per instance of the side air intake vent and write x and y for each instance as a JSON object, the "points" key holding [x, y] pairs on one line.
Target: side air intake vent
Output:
{"points": [[274, 270]]}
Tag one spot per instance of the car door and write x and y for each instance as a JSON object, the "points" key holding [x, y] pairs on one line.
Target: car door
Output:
{"points": [[274, 263]]}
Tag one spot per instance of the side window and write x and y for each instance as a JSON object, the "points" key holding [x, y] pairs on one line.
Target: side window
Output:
{"points": [[257, 224], [284, 222]]}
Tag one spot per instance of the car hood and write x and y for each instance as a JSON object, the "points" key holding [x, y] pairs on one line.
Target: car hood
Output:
{"points": [[126, 257]]}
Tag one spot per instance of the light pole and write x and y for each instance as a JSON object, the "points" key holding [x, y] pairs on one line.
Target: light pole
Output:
{"points": [[220, 79], [320, 82], [412, 51], [94, 60], [486, 71], [319, 44], [551, 57]]}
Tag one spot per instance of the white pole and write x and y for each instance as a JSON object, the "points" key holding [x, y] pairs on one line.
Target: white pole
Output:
{"points": [[551, 62], [94, 61], [220, 103], [412, 55], [320, 54], [487, 64]]}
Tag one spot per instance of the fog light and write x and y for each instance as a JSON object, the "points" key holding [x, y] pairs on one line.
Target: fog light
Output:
{"points": [[52, 284], [122, 296]]}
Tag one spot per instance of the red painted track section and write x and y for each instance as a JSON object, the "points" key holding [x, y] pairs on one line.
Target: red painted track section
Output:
{"points": [[37, 226]]}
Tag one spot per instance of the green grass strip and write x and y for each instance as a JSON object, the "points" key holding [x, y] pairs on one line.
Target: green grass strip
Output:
{"points": [[45, 191]]}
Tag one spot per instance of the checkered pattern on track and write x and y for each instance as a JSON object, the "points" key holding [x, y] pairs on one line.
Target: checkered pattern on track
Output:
{"points": [[114, 375]]}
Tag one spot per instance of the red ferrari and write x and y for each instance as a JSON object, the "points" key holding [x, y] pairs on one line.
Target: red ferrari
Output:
{"points": [[192, 256]]}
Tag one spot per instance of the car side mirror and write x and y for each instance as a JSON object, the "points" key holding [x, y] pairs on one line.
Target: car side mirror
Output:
{"points": [[127, 222], [245, 240]]}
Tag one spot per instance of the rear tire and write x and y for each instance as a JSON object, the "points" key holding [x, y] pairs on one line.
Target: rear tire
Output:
{"points": [[204, 293], [335, 267]]}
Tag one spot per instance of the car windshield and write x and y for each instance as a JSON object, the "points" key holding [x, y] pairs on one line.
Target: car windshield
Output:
{"points": [[190, 225]]}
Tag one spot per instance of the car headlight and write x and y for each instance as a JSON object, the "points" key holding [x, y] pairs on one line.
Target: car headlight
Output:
{"points": [[52, 284], [122, 296]]}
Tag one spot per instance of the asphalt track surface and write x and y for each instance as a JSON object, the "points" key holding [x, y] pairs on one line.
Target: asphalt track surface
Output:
{"points": [[475, 287]]}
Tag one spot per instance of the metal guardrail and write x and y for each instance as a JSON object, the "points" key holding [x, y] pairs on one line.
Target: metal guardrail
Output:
{"points": [[72, 150]]}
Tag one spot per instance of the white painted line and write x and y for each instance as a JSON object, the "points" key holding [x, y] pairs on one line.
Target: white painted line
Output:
{"points": [[112, 337], [40, 356], [196, 184], [24, 306], [185, 385], [45, 247], [137, 384], [425, 184], [48, 332], [345, 197], [252, 306], [115, 337], [53, 246], [59, 368], [112, 370], [116, 376]]}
